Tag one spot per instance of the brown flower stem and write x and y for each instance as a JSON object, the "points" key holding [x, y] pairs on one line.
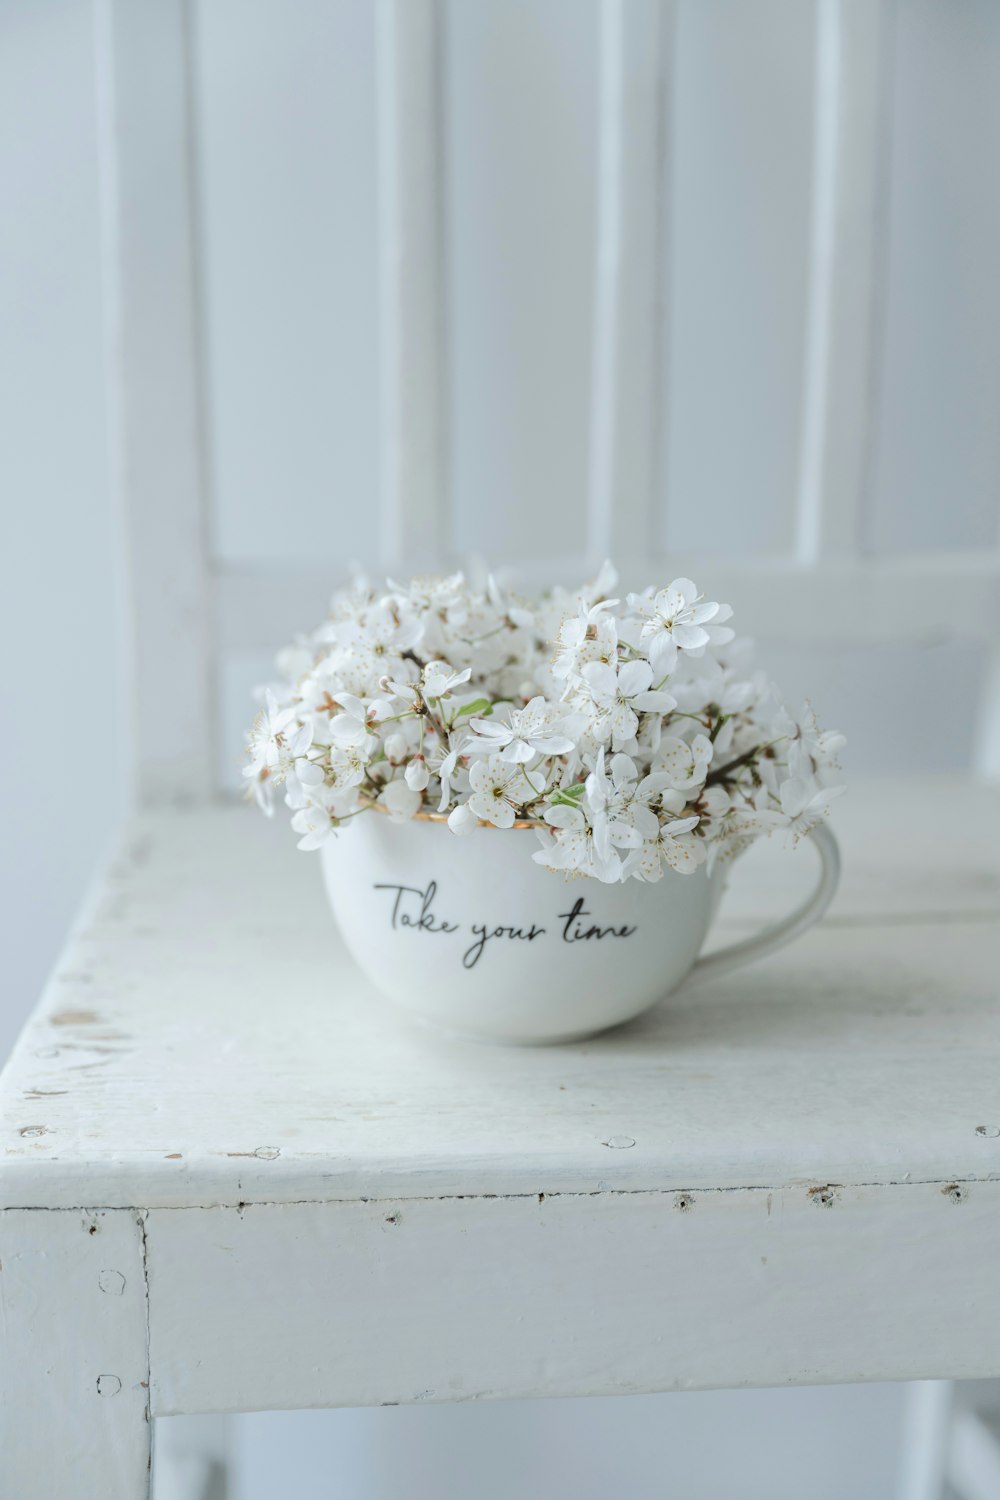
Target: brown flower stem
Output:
{"points": [[714, 777]]}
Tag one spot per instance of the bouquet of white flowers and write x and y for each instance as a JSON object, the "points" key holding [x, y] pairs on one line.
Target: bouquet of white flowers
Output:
{"points": [[629, 735]]}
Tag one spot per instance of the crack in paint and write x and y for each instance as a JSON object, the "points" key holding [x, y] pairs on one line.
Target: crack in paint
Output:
{"points": [[805, 1186]]}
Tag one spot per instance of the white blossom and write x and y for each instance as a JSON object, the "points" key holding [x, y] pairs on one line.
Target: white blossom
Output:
{"points": [[440, 680], [677, 619], [521, 734], [804, 802], [684, 765], [591, 635], [499, 790], [443, 763], [315, 824], [573, 846], [620, 804], [672, 844], [621, 693], [400, 801], [416, 775], [638, 736], [462, 819], [276, 739]]}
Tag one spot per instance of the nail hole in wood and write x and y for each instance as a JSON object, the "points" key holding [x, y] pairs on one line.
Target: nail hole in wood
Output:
{"points": [[824, 1197]]}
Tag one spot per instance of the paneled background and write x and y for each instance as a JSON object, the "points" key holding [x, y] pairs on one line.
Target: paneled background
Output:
{"points": [[285, 135], [287, 230], [716, 448]]}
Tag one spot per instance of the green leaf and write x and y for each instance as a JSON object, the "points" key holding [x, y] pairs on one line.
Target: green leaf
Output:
{"points": [[567, 795], [481, 706]]}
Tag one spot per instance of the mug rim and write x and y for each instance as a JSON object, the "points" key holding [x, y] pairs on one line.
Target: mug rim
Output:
{"points": [[519, 825]]}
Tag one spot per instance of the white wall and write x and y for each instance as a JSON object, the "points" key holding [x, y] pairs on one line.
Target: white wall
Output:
{"points": [[64, 752], [284, 107]]}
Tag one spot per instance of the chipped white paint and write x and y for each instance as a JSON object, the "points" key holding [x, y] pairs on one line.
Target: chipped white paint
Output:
{"points": [[428, 1299], [74, 1377], [212, 979], [342, 1208]]}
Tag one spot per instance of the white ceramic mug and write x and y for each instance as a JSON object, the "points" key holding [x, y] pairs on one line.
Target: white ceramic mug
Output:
{"points": [[469, 933]]}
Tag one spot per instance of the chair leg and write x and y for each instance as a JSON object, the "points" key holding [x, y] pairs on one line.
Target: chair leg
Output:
{"points": [[926, 1433], [191, 1458], [974, 1450], [74, 1381]]}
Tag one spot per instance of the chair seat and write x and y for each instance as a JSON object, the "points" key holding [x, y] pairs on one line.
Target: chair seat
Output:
{"points": [[788, 1175]]}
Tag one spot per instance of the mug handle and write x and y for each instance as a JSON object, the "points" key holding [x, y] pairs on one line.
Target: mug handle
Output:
{"points": [[779, 933]]}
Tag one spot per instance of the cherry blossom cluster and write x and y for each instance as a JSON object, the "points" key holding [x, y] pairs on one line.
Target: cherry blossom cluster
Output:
{"points": [[629, 733]]}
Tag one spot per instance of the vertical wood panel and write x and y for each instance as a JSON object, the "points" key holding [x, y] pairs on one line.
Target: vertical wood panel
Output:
{"points": [[287, 207], [741, 169], [850, 159], [937, 461], [986, 756], [625, 366], [521, 81], [153, 395], [861, 690], [413, 502], [74, 1378]]}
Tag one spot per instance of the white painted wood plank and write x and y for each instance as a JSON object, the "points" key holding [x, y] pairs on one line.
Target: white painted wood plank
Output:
{"points": [[154, 387], [937, 455], [413, 503], [626, 403], [987, 751], [210, 979], [910, 601], [286, 240], [521, 152], [74, 1379], [482, 1298], [740, 166], [849, 196]]}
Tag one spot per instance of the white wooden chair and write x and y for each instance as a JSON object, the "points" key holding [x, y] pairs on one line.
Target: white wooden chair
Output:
{"points": [[229, 1184]]}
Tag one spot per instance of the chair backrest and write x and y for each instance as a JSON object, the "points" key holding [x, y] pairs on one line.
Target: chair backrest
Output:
{"points": [[844, 547]]}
